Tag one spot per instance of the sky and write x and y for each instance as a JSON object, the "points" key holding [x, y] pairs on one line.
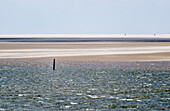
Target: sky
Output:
{"points": [[84, 16]]}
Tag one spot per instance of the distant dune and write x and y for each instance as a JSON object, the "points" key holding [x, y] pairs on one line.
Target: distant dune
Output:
{"points": [[85, 35]]}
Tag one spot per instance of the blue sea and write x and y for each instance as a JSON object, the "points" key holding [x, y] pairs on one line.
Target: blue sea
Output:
{"points": [[104, 39], [85, 86]]}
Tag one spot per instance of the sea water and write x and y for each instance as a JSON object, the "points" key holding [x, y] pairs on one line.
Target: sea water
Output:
{"points": [[83, 86], [82, 39]]}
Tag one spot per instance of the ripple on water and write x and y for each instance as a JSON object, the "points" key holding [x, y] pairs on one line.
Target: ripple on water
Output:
{"points": [[83, 87]]}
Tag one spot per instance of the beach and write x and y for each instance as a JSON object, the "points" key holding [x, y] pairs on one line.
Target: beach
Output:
{"points": [[84, 55], [88, 75], [87, 51]]}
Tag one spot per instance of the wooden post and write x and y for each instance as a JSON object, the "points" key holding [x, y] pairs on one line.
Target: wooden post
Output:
{"points": [[53, 64]]}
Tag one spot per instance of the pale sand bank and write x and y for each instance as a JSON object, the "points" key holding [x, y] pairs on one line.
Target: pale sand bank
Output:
{"points": [[93, 51], [85, 35]]}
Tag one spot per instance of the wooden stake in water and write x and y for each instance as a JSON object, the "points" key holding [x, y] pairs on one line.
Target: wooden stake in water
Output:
{"points": [[53, 64]]}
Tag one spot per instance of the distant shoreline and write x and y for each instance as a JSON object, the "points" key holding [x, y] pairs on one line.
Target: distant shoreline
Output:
{"points": [[84, 35]]}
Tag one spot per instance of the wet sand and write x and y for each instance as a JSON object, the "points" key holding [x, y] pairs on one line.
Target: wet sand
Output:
{"points": [[87, 51]]}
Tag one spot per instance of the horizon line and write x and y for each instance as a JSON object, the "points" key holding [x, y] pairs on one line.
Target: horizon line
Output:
{"points": [[83, 35]]}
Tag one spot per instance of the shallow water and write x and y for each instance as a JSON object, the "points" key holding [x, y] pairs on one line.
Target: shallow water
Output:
{"points": [[82, 87]]}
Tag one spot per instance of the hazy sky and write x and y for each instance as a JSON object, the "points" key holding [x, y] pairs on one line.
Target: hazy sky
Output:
{"points": [[84, 16]]}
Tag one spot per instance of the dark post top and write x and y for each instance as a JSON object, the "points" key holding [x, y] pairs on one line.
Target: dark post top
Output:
{"points": [[53, 64]]}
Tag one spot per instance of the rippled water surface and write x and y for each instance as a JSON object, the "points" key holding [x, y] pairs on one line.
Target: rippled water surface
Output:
{"points": [[82, 87]]}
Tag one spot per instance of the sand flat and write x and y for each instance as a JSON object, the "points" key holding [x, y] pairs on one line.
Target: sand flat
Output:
{"points": [[76, 45], [88, 51]]}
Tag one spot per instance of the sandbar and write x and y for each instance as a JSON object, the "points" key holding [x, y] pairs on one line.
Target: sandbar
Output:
{"points": [[87, 51]]}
